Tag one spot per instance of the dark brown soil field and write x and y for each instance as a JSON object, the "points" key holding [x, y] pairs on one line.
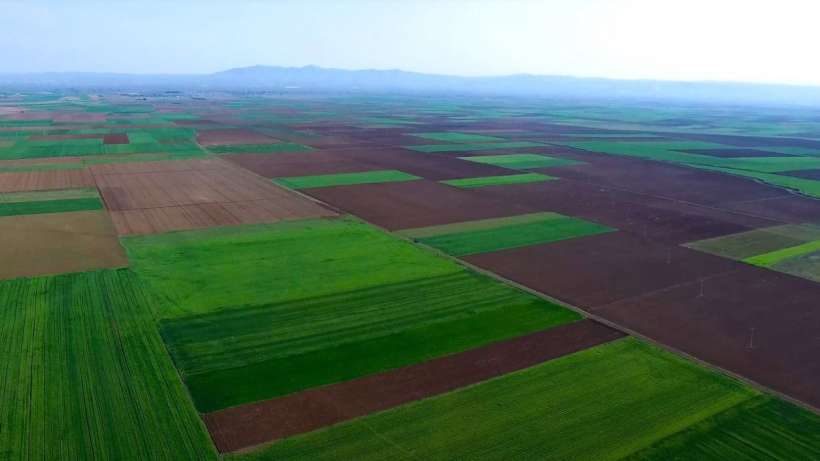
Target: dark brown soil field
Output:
{"points": [[43, 180], [115, 139], [253, 424], [232, 136], [600, 269], [805, 174], [435, 167], [300, 164], [758, 323], [657, 219], [190, 194], [789, 208], [54, 243], [403, 205]]}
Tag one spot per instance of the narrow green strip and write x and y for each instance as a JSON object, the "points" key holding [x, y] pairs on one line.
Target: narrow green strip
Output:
{"points": [[514, 236], [345, 179], [49, 206], [524, 178], [434, 148], [521, 161], [774, 257], [65, 194], [478, 224], [259, 148], [457, 137]]}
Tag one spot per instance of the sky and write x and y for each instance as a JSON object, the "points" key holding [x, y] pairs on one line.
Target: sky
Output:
{"points": [[729, 40]]}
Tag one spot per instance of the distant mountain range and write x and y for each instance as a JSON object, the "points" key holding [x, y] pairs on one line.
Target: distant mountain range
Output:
{"points": [[313, 78]]}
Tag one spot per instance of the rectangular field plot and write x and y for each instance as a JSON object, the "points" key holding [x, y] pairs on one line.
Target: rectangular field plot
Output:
{"points": [[84, 374], [451, 136], [521, 161], [761, 428], [472, 183], [435, 148], [24, 203], [53, 243], [603, 403], [259, 148], [255, 316], [345, 179], [462, 239], [791, 248], [156, 197]]}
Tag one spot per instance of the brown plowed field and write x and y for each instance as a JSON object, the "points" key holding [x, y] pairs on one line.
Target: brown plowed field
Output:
{"points": [[232, 136], [655, 218], [120, 138], [253, 424], [190, 194], [759, 323], [283, 165], [54, 243], [63, 137], [600, 269], [789, 208], [435, 167], [43, 180], [403, 205]]}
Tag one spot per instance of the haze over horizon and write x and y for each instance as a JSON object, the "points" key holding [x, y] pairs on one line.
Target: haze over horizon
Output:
{"points": [[727, 40]]}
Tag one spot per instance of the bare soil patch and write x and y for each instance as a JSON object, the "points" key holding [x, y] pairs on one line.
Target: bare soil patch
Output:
{"points": [[58, 242], [232, 136], [44, 180]]}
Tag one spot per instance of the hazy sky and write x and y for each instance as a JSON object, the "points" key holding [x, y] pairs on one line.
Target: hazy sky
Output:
{"points": [[744, 40]]}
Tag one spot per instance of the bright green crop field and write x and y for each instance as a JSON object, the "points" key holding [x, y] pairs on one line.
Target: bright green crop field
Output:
{"points": [[603, 403], [259, 317], [521, 161], [472, 183], [506, 236], [452, 136], [345, 179], [84, 374], [259, 148]]}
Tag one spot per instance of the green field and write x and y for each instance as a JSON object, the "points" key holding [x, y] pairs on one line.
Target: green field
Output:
{"points": [[262, 318], [259, 148], [434, 148], [603, 403], [516, 235], [23, 203], [760, 429], [451, 136], [522, 161], [524, 178], [84, 374], [345, 179]]}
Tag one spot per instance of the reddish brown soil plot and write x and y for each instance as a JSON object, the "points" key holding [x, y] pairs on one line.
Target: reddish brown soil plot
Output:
{"points": [[651, 217], [600, 269], [299, 164], [43, 180], [121, 138], [758, 323], [421, 203], [232, 136], [253, 424], [165, 196]]}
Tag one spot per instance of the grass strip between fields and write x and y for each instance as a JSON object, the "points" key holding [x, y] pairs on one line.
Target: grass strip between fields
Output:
{"points": [[345, 179], [524, 178]]}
